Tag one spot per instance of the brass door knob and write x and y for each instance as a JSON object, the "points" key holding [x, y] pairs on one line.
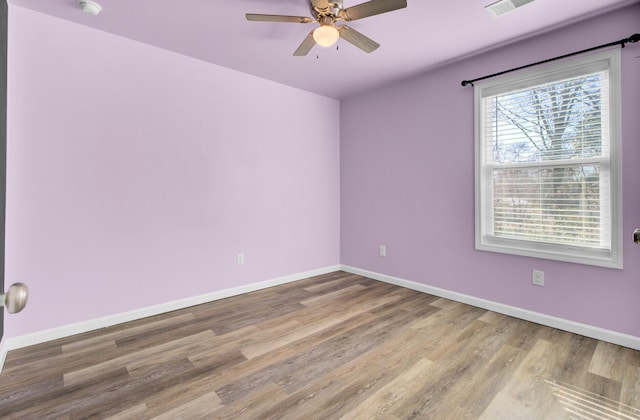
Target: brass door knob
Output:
{"points": [[15, 298]]}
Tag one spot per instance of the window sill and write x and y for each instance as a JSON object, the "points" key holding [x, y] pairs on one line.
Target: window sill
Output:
{"points": [[576, 255]]}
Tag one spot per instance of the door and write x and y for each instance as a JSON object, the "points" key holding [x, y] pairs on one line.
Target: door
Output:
{"points": [[3, 142]]}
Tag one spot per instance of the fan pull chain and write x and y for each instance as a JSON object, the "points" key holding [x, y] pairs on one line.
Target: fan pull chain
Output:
{"points": [[318, 50]]}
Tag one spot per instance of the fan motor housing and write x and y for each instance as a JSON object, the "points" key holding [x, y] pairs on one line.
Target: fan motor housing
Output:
{"points": [[323, 8]]}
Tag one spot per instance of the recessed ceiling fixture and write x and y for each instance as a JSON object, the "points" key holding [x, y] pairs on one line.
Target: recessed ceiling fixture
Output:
{"points": [[90, 7], [505, 6]]}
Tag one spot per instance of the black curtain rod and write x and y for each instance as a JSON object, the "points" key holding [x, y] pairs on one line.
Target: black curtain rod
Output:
{"points": [[633, 38]]}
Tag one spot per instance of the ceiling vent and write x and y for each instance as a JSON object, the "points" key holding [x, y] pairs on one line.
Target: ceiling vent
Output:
{"points": [[505, 6]]}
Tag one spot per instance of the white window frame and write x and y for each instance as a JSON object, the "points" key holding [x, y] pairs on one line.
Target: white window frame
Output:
{"points": [[611, 258]]}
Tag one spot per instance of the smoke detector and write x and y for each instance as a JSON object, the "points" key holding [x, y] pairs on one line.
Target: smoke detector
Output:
{"points": [[90, 7], [505, 6]]}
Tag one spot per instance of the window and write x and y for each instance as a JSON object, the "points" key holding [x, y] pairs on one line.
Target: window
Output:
{"points": [[548, 180]]}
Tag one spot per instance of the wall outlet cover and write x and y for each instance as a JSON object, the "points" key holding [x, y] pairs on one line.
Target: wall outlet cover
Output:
{"points": [[383, 250], [537, 277]]}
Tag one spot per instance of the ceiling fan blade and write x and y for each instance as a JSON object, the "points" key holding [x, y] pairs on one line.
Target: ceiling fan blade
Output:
{"points": [[306, 46], [371, 8], [356, 38], [277, 18]]}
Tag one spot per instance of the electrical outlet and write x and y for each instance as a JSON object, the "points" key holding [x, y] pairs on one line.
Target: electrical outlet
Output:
{"points": [[383, 250], [240, 259], [537, 277]]}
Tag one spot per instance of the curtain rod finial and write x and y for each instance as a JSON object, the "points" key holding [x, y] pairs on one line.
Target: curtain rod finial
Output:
{"points": [[466, 82], [634, 38]]}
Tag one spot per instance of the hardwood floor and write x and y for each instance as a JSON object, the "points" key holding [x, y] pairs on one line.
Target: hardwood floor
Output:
{"points": [[337, 346]]}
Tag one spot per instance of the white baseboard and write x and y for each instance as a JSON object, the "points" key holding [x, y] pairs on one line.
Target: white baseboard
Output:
{"points": [[550, 321], [13, 343], [3, 353]]}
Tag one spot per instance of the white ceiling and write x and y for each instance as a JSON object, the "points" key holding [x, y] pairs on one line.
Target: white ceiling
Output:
{"points": [[424, 35]]}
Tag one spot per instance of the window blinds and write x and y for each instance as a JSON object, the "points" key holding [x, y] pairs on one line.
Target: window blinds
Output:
{"points": [[546, 159]]}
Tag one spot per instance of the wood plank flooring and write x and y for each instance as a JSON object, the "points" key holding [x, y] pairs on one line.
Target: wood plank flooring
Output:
{"points": [[337, 346]]}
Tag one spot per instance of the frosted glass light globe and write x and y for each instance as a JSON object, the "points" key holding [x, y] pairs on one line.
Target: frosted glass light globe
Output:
{"points": [[326, 35]]}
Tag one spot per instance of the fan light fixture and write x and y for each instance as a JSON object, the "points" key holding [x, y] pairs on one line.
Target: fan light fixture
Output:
{"points": [[326, 13], [326, 35]]}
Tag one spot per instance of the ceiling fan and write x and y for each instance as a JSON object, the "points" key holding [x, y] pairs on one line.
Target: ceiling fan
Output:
{"points": [[327, 13]]}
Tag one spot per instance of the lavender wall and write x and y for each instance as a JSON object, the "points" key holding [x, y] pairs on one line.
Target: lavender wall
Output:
{"points": [[407, 182], [135, 175]]}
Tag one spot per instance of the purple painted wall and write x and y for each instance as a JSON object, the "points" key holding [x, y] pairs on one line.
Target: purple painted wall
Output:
{"points": [[135, 175], [407, 182]]}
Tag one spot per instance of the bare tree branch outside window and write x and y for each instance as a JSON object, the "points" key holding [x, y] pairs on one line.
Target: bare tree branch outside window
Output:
{"points": [[562, 122]]}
